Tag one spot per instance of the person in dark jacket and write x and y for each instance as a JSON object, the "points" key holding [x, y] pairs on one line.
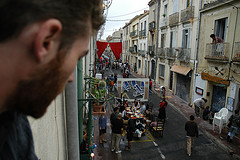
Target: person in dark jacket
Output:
{"points": [[162, 110], [117, 129], [130, 130], [234, 124], [192, 131]]}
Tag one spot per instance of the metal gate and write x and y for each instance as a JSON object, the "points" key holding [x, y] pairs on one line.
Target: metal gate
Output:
{"points": [[183, 87]]}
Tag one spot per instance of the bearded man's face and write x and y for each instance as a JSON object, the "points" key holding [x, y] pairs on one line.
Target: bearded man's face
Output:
{"points": [[33, 96]]}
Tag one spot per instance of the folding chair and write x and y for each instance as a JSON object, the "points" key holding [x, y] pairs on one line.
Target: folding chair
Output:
{"points": [[158, 129], [134, 84], [142, 85], [138, 91], [126, 86]]}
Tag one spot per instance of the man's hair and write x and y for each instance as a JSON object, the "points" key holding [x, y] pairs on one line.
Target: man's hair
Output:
{"points": [[192, 117], [74, 16], [205, 100], [236, 111], [115, 109], [212, 35]]}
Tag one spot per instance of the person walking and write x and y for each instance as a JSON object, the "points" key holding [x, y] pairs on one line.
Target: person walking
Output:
{"points": [[130, 130], [162, 110], [234, 124], [192, 131], [199, 105], [102, 128], [117, 129]]}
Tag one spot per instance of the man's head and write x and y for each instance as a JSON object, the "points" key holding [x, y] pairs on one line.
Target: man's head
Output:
{"points": [[192, 118], [147, 111], [40, 44], [119, 116], [205, 100], [115, 110], [236, 112], [212, 36]]}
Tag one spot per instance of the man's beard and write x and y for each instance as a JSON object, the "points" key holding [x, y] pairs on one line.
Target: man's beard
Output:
{"points": [[33, 96]]}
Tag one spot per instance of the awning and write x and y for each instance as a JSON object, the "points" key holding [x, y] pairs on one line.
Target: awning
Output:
{"points": [[181, 70]]}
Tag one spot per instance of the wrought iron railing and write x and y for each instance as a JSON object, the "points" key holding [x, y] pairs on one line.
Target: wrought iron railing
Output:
{"points": [[217, 51], [174, 19], [151, 26], [187, 14], [170, 52], [236, 51], [161, 52], [184, 54], [163, 22], [133, 33], [151, 50]]}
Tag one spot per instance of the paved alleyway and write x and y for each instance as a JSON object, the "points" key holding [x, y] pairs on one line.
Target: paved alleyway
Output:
{"points": [[172, 145]]}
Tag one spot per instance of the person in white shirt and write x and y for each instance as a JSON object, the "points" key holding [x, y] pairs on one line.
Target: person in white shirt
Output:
{"points": [[199, 104]]}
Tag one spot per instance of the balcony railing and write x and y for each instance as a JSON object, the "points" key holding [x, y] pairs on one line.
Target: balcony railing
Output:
{"points": [[142, 33], [151, 50], [133, 33], [152, 26], [174, 19], [187, 14], [219, 51], [131, 49], [236, 52], [142, 53], [184, 54], [163, 22], [171, 53], [161, 52]]}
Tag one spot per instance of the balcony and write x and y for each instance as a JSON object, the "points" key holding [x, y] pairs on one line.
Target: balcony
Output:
{"points": [[134, 33], [171, 53], [163, 22], [151, 50], [219, 51], [174, 19], [236, 57], [184, 54], [161, 52], [142, 53], [131, 49], [142, 33], [187, 14], [152, 26]]}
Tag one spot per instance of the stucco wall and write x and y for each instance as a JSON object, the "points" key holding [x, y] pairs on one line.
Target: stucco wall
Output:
{"points": [[49, 132]]}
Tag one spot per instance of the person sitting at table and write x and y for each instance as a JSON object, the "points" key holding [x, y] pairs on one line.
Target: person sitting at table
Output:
{"points": [[142, 108], [124, 112], [136, 104], [149, 117]]}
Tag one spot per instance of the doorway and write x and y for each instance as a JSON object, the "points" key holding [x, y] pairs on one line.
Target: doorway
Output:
{"points": [[218, 98]]}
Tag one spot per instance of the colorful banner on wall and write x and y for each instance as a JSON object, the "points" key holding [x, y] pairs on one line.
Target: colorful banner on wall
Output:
{"points": [[116, 48]]}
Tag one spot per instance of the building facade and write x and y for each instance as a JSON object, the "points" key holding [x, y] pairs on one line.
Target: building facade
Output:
{"points": [[217, 75]]}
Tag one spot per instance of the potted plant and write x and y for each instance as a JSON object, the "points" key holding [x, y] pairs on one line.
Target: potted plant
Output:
{"points": [[164, 15]]}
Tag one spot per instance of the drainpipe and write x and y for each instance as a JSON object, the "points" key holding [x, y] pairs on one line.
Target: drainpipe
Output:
{"points": [[80, 96], [197, 47], [72, 119], [158, 19], [231, 56]]}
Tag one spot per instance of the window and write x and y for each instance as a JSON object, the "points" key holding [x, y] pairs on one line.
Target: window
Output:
{"points": [[175, 6], [172, 39], [165, 10], [153, 14], [188, 3], [141, 26], [221, 27], [186, 38], [127, 31], [145, 23], [139, 63], [163, 39], [161, 71]]}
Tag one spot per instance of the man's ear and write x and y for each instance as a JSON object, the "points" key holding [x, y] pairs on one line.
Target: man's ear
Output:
{"points": [[46, 38]]}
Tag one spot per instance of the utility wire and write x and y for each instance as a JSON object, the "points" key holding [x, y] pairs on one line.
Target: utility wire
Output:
{"points": [[118, 19], [127, 13]]}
